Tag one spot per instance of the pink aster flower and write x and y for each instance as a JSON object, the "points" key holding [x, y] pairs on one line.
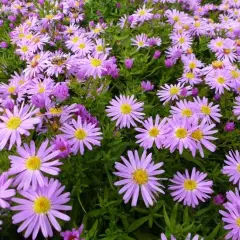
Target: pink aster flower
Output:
{"points": [[141, 41], [38, 209], [143, 14], [75, 234], [218, 80], [83, 47], [80, 134], [171, 92], [191, 63], [183, 109], [179, 135], [30, 165], [16, 123], [190, 78], [236, 109], [139, 176], [207, 110], [190, 188], [152, 132], [182, 40], [232, 167], [93, 66], [126, 110], [5, 192], [231, 215]]}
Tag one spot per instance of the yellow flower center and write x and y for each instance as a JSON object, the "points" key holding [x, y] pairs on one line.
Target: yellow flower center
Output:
{"points": [[176, 18], [182, 40], [140, 43], [82, 45], [29, 36], [33, 163], [42, 205], [197, 24], [197, 134], [189, 75], [142, 12], [41, 89], [96, 62], [217, 64], [206, 110], [174, 90], [235, 74], [192, 65], [238, 167], [21, 35], [13, 123], [181, 133], [187, 112], [189, 51], [24, 49], [153, 132], [75, 39], [97, 30], [219, 44], [80, 134], [227, 50], [99, 48], [190, 185], [49, 16], [21, 82], [55, 111], [12, 89], [125, 108], [221, 80], [140, 176]]}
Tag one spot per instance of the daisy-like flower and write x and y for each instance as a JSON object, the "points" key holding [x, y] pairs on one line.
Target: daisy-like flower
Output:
{"points": [[80, 134], [93, 66], [216, 44], [30, 165], [139, 177], [202, 134], [38, 209], [179, 135], [75, 234], [190, 188], [236, 109], [184, 109], [16, 123], [171, 92], [182, 40], [231, 215], [192, 64], [5, 192], [152, 132], [190, 78], [83, 47], [25, 50], [232, 167], [207, 110], [141, 41], [143, 14], [126, 110], [218, 80]]}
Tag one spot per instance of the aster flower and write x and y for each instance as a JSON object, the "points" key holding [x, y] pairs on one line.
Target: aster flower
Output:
{"points": [[207, 110], [93, 66], [80, 134], [179, 135], [170, 92], [236, 109], [218, 80], [147, 86], [5, 192], [182, 40], [83, 47], [75, 234], [190, 78], [152, 132], [139, 177], [184, 109], [30, 165], [190, 188], [232, 167], [61, 144], [16, 123], [141, 41], [38, 209], [126, 110], [143, 14], [191, 64], [231, 215]]}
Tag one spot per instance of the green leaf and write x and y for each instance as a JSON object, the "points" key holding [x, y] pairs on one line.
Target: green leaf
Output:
{"points": [[166, 218], [137, 224], [214, 233]]}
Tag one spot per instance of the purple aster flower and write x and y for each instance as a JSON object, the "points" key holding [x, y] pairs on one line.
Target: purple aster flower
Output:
{"points": [[30, 165], [61, 91], [190, 188], [141, 41], [195, 92], [152, 132], [16, 123], [219, 199], [118, 5], [80, 134], [169, 63], [5, 192], [12, 18], [62, 145], [3, 45], [38, 209], [139, 177], [156, 54], [126, 110], [128, 63], [75, 234], [39, 100], [229, 127], [147, 86]]}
